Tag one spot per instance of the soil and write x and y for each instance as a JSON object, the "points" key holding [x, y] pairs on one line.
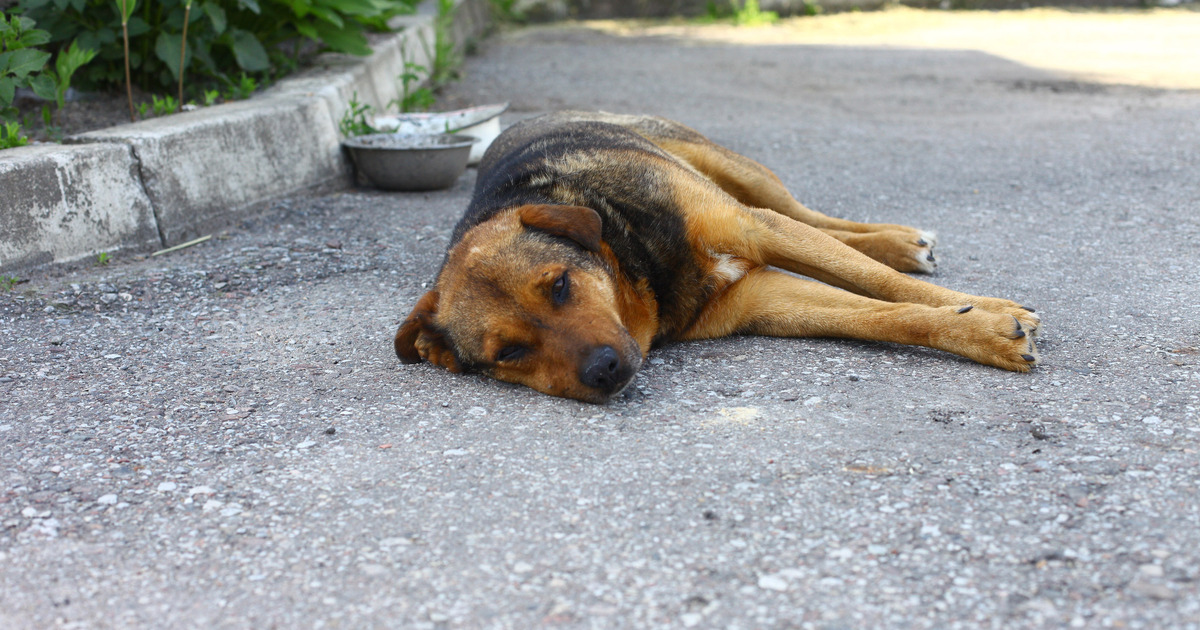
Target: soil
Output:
{"points": [[88, 112]]}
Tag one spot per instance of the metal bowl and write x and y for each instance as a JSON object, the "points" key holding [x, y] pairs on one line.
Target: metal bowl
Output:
{"points": [[394, 161]]}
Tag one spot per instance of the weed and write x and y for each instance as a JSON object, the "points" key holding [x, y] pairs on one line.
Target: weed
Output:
{"points": [[165, 105], [411, 100], [241, 89], [507, 11], [103, 259], [354, 119], [11, 136], [143, 108], [210, 97], [749, 14], [447, 59], [8, 282]]}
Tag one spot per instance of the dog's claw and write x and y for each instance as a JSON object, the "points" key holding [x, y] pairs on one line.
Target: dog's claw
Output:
{"points": [[1028, 357], [966, 308], [1028, 309], [922, 242]]}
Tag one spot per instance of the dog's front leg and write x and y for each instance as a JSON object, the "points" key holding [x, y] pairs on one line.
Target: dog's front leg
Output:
{"points": [[768, 302]]}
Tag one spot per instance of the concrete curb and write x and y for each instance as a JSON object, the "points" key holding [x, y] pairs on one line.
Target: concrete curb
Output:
{"points": [[164, 181]]}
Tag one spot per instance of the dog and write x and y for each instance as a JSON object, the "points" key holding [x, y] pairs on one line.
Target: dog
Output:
{"points": [[593, 238]]}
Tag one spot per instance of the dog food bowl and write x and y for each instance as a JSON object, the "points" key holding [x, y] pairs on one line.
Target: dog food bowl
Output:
{"points": [[394, 161], [482, 122]]}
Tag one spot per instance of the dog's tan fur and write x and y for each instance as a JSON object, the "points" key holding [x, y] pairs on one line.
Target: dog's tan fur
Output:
{"points": [[725, 227]]}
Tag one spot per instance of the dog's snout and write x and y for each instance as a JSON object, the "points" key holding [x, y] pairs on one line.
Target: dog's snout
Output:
{"points": [[604, 370]]}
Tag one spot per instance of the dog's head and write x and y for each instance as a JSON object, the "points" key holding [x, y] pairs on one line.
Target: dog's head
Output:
{"points": [[526, 297]]}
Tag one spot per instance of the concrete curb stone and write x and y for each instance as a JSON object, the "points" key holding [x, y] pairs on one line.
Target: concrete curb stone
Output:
{"points": [[63, 202], [164, 181]]}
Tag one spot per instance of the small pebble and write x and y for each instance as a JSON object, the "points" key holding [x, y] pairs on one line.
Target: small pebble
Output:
{"points": [[773, 583]]}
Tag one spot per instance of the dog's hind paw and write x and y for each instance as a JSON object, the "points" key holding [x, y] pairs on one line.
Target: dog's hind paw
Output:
{"points": [[910, 251]]}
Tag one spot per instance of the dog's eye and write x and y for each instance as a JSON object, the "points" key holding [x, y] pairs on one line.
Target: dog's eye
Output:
{"points": [[510, 353], [561, 289]]}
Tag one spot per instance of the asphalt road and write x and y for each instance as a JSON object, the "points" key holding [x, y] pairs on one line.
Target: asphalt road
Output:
{"points": [[222, 437]]}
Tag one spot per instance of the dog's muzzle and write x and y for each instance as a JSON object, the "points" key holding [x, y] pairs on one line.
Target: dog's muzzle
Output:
{"points": [[605, 371]]}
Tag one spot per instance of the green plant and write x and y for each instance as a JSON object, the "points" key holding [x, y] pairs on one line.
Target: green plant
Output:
{"points": [[209, 40], [412, 100], [8, 282], [23, 65], [165, 105], [354, 119], [187, 15], [68, 61], [11, 136], [749, 14], [447, 59], [210, 97], [143, 108], [127, 7], [507, 11], [21, 62], [103, 258], [241, 89]]}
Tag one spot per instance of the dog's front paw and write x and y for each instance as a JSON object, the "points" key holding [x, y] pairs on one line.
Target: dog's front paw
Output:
{"points": [[1030, 322], [999, 339], [909, 250]]}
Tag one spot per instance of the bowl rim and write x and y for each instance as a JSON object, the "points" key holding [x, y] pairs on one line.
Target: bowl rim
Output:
{"points": [[455, 141]]}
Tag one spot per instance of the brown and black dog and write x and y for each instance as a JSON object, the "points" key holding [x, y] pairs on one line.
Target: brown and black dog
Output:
{"points": [[592, 238]]}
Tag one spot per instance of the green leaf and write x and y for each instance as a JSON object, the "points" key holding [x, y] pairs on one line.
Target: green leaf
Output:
{"points": [[248, 51], [300, 8], [27, 60], [72, 59], [329, 16], [347, 39], [166, 48], [36, 37], [216, 16], [43, 86], [66, 64], [8, 89], [306, 29], [137, 26], [355, 7], [128, 6], [249, 4]]}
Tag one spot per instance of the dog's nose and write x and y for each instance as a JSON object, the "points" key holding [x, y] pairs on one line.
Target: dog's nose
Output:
{"points": [[604, 370]]}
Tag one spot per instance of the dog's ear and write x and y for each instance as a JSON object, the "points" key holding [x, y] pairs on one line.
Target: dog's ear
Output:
{"points": [[418, 338], [577, 223]]}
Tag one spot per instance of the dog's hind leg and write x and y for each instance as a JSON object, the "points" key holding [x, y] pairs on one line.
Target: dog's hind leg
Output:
{"points": [[768, 302], [721, 225], [900, 247]]}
